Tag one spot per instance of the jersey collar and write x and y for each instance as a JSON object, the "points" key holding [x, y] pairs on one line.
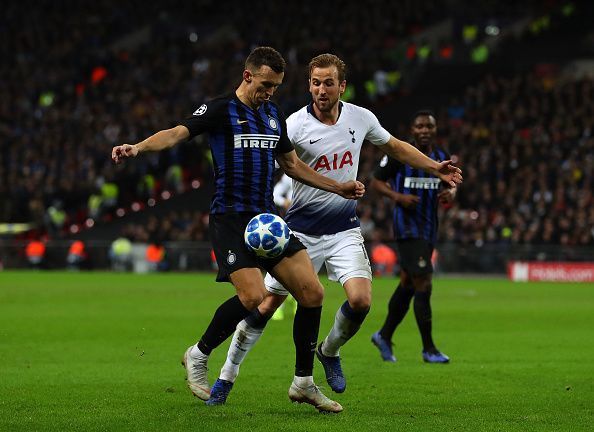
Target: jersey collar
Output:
{"points": [[313, 113]]}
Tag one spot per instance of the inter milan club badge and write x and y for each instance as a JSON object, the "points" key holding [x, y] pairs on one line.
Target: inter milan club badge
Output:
{"points": [[231, 258], [422, 262], [272, 123]]}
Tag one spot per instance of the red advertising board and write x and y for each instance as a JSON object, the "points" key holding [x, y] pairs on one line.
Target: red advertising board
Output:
{"points": [[522, 271]]}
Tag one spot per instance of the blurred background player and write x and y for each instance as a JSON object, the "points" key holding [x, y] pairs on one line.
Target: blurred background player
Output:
{"points": [[328, 135], [416, 194], [282, 194], [244, 127]]}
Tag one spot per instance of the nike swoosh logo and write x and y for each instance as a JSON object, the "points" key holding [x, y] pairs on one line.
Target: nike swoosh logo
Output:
{"points": [[314, 141], [241, 121]]}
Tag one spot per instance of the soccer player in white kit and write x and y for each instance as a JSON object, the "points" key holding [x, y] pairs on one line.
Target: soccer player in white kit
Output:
{"points": [[328, 135]]}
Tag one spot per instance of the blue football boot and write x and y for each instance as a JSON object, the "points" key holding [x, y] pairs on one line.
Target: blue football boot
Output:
{"points": [[219, 392], [434, 356], [333, 370], [384, 346]]}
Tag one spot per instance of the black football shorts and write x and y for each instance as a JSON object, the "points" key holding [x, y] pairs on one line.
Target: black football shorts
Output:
{"points": [[414, 256], [226, 234]]}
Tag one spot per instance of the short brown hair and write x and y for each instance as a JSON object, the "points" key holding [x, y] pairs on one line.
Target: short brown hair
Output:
{"points": [[327, 60], [265, 56]]}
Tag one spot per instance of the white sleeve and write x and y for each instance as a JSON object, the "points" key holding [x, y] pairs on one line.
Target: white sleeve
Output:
{"points": [[376, 134], [294, 122]]}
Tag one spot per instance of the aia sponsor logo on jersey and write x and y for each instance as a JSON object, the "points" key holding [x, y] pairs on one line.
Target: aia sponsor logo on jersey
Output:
{"points": [[334, 162]]}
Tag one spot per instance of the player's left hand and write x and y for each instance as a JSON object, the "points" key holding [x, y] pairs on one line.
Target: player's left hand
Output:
{"points": [[352, 189], [449, 173]]}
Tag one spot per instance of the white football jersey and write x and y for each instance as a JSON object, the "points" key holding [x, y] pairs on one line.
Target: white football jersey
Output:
{"points": [[332, 151]]}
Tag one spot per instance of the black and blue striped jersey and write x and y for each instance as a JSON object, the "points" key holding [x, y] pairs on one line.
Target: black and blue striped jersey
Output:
{"points": [[243, 142], [420, 221]]}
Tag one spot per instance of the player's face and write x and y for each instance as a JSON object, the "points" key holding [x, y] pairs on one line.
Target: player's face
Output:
{"points": [[325, 88], [262, 84], [424, 130]]}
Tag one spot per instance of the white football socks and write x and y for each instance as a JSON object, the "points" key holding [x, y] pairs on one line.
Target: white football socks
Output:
{"points": [[342, 330], [196, 354], [244, 339], [303, 382]]}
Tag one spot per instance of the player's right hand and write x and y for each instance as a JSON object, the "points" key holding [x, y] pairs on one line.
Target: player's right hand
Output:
{"points": [[408, 201], [352, 189], [119, 153], [450, 174]]}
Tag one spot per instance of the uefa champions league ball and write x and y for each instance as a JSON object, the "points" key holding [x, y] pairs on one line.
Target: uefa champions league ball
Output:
{"points": [[267, 235]]}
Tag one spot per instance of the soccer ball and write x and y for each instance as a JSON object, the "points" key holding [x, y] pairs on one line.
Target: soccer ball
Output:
{"points": [[267, 235]]}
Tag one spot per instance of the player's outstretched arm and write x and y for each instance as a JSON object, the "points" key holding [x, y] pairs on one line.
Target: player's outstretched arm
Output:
{"points": [[161, 140], [410, 155], [300, 171]]}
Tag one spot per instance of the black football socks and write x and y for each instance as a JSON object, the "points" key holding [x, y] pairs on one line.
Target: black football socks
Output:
{"points": [[397, 309], [223, 324], [305, 336], [422, 306]]}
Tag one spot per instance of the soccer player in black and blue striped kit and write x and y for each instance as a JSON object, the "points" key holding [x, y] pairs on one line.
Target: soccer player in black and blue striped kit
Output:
{"points": [[247, 133], [416, 195]]}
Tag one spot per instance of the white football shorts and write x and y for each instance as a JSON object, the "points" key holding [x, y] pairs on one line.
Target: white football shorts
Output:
{"points": [[343, 254]]}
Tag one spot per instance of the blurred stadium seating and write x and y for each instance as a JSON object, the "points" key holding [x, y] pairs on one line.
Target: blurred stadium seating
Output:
{"points": [[506, 81]]}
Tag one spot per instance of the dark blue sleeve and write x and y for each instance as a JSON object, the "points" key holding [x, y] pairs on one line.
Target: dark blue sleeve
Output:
{"points": [[284, 143], [207, 118], [387, 168]]}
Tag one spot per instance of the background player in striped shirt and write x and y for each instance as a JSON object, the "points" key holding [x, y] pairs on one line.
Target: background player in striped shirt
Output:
{"points": [[247, 132], [416, 195], [328, 135]]}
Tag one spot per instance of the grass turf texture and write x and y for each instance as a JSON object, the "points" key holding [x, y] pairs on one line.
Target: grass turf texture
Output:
{"points": [[101, 351]]}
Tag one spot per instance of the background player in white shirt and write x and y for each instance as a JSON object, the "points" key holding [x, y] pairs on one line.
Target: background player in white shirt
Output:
{"points": [[283, 194], [328, 135]]}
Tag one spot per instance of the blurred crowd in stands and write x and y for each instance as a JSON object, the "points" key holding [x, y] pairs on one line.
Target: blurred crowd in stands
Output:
{"points": [[107, 75], [526, 145]]}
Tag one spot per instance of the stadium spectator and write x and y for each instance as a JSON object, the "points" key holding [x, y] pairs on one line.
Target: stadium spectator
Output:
{"points": [[156, 257], [35, 253], [77, 257], [120, 254], [383, 260]]}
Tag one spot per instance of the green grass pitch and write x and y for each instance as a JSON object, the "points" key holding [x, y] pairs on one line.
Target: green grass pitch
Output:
{"points": [[102, 351]]}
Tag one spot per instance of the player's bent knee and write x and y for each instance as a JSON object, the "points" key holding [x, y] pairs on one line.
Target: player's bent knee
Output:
{"points": [[310, 294], [360, 303], [270, 304], [251, 300]]}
